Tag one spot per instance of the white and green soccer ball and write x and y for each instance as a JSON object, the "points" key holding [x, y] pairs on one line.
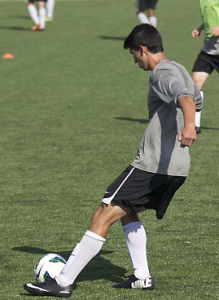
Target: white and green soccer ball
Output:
{"points": [[48, 267]]}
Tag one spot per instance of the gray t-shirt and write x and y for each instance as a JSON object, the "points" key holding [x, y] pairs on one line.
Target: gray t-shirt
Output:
{"points": [[159, 150]]}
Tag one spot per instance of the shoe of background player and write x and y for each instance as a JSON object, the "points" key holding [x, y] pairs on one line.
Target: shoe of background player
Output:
{"points": [[48, 288], [198, 129], [48, 19], [35, 27], [135, 283]]}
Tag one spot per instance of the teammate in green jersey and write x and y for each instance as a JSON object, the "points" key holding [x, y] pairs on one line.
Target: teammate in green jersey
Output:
{"points": [[208, 59]]}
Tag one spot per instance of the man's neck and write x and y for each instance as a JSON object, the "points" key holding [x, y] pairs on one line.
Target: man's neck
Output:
{"points": [[156, 58]]}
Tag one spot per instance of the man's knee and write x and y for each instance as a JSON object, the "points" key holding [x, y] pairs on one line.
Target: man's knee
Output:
{"points": [[97, 212], [129, 218], [106, 215], [140, 12], [199, 78]]}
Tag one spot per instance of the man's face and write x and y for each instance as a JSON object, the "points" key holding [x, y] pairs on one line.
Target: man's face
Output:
{"points": [[140, 57]]}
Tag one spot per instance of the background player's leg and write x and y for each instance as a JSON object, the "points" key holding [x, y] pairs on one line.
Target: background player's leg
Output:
{"points": [[42, 14], [50, 9], [199, 79], [33, 13], [151, 17], [143, 19]]}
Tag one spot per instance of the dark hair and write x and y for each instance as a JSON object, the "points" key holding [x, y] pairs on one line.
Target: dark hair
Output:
{"points": [[144, 35]]}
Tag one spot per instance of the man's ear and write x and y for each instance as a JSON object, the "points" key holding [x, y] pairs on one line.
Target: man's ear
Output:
{"points": [[143, 49]]}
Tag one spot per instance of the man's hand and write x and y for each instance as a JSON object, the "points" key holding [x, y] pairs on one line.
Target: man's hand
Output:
{"points": [[215, 31], [187, 136], [195, 33]]}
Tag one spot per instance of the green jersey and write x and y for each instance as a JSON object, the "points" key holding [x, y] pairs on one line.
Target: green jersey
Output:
{"points": [[209, 14]]}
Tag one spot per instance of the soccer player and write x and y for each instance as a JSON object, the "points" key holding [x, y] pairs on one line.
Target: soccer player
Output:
{"points": [[39, 20], [150, 181], [149, 6], [208, 59]]}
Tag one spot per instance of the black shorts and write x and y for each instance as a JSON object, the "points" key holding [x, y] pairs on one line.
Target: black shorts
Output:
{"points": [[145, 4], [206, 63], [138, 189], [32, 1]]}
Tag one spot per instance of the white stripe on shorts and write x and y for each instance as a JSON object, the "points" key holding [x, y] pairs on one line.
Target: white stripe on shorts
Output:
{"points": [[109, 200]]}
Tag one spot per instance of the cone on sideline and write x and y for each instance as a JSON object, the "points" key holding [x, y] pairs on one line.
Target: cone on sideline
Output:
{"points": [[8, 55]]}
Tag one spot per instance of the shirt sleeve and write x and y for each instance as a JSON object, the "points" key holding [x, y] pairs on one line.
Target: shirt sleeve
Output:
{"points": [[168, 88]]}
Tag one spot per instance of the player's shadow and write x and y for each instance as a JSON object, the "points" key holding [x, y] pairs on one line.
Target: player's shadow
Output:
{"points": [[145, 121], [98, 268], [14, 28], [141, 121], [209, 128], [26, 17], [115, 38]]}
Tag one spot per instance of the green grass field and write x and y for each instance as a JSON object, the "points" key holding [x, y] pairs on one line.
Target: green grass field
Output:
{"points": [[73, 110]]}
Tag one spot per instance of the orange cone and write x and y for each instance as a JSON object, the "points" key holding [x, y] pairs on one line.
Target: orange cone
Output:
{"points": [[8, 55]]}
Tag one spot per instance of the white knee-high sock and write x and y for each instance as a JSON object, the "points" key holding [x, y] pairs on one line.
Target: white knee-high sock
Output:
{"points": [[50, 8], [198, 113], [142, 18], [89, 246], [136, 244], [33, 13], [42, 15], [153, 21]]}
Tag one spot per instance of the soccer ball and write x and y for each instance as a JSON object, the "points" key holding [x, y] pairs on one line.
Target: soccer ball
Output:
{"points": [[48, 267]]}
